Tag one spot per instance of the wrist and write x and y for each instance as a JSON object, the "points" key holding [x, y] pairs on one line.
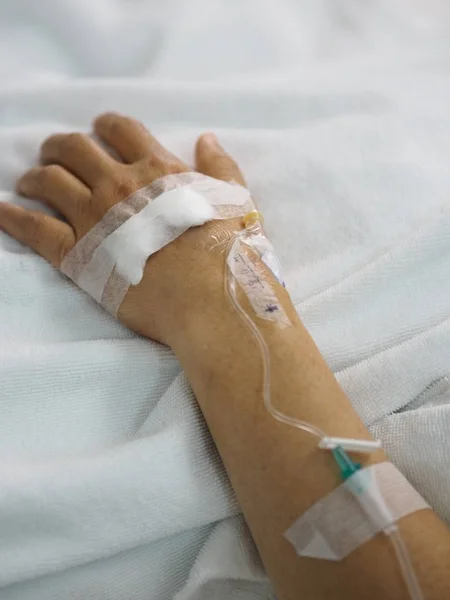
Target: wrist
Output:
{"points": [[211, 328], [182, 280]]}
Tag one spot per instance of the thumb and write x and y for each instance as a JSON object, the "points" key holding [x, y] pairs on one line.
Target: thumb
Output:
{"points": [[212, 160]]}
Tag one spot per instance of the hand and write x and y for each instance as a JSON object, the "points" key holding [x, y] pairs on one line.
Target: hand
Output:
{"points": [[81, 181]]}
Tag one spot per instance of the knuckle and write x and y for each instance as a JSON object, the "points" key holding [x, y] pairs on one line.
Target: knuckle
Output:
{"points": [[46, 174], [171, 167], [31, 174], [150, 164], [73, 139], [124, 188], [115, 127], [62, 142], [42, 177], [114, 189]]}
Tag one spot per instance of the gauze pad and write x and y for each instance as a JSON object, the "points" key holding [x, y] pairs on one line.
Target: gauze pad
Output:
{"points": [[149, 231], [112, 255]]}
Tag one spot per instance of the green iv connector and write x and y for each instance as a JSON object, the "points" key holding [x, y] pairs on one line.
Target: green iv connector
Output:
{"points": [[345, 463]]}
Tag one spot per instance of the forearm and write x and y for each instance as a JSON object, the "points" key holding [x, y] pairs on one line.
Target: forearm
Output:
{"points": [[278, 472]]}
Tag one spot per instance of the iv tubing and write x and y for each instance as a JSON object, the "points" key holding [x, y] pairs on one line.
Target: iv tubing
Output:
{"points": [[230, 289], [403, 558], [406, 567]]}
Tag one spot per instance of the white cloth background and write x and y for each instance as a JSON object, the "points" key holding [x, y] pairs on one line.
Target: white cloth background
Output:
{"points": [[338, 112]]}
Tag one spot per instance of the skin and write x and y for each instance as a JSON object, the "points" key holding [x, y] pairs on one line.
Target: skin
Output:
{"points": [[276, 471]]}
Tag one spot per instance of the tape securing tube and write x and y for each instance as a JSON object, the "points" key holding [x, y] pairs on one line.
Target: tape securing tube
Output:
{"points": [[336, 525], [147, 220]]}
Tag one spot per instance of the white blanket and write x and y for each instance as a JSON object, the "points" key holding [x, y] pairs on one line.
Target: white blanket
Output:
{"points": [[338, 112]]}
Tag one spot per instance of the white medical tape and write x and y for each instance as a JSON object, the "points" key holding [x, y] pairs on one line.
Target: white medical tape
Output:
{"points": [[156, 225], [95, 262], [263, 246], [336, 525], [254, 282]]}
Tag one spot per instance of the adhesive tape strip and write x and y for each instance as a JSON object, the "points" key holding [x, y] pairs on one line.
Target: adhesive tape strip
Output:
{"points": [[336, 525], [254, 282], [158, 224], [143, 234], [104, 264]]}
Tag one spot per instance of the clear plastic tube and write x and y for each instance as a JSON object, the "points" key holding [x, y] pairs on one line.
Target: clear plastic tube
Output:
{"points": [[393, 534], [230, 290], [406, 566]]}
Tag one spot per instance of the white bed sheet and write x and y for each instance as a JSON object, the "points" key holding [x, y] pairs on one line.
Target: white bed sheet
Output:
{"points": [[337, 110]]}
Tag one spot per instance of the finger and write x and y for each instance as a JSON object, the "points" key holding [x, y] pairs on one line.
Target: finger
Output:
{"points": [[80, 155], [56, 187], [49, 237], [212, 160], [129, 138]]}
